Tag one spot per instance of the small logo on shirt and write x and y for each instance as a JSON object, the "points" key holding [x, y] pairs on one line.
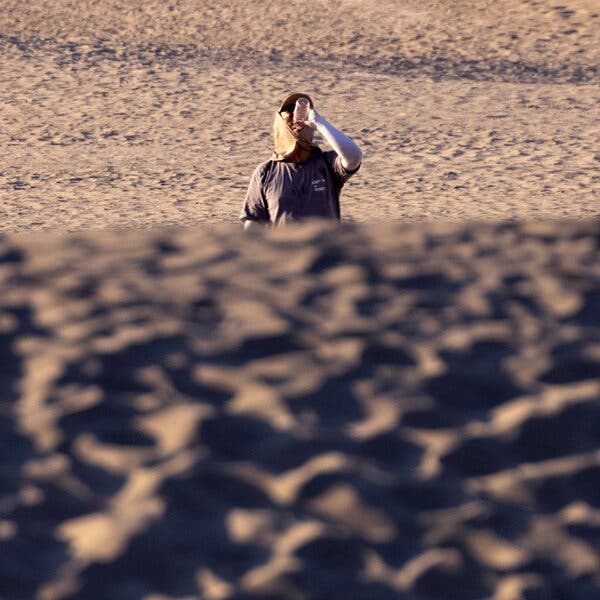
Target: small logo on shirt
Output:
{"points": [[318, 185]]}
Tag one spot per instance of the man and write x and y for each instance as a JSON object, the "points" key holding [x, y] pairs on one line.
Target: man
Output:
{"points": [[300, 180]]}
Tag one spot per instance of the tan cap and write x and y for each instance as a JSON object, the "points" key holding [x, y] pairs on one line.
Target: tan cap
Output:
{"points": [[291, 99]]}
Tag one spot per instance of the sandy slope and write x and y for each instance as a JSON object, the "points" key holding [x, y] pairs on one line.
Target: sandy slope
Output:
{"points": [[143, 113], [373, 412], [393, 410]]}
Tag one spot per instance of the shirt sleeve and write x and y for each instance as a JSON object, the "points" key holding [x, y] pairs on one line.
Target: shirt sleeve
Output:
{"points": [[335, 161], [255, 203]]}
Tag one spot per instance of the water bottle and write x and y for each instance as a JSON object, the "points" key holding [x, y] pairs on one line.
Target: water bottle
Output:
{"points": [[301, 111]]}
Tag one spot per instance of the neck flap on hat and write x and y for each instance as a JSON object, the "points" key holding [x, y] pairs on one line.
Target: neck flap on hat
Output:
{"points": [[286, 143]]}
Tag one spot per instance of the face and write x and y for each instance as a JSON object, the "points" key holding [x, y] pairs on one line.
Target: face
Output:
{"points": [[300, 131], [288, 117]]}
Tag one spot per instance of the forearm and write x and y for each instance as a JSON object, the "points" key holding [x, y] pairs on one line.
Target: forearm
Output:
{"points": [[347, 150], [253, 225]]}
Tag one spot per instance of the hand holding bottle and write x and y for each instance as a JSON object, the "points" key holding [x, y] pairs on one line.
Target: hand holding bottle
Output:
{"points": [[301, 110], [311, 120]]}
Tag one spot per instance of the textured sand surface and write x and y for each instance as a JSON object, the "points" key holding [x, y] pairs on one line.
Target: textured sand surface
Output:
{"points": [[143, 113], [407, 406], [356, 412]]}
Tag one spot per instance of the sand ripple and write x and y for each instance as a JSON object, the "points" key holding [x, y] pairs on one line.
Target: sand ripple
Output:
{"points": [[377, 412]]}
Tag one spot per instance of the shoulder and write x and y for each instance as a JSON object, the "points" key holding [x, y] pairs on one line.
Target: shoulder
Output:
{"points": [[335, 160], [336, 168], [262, 168], [332, 159]]}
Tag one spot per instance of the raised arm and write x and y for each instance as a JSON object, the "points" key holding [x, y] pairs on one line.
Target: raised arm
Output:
{"points": [[347, 150]]}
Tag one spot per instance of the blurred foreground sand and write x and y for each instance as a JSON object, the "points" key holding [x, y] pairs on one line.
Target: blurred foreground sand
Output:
{"points": [[355, 412]]}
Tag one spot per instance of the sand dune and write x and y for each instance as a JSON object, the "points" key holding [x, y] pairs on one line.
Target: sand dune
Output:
{"points": [[406, 406], [357, 412]]}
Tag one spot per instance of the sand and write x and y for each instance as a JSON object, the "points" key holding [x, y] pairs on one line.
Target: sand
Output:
{"points": [[404, 406], [138, 114], [321, 412]]}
